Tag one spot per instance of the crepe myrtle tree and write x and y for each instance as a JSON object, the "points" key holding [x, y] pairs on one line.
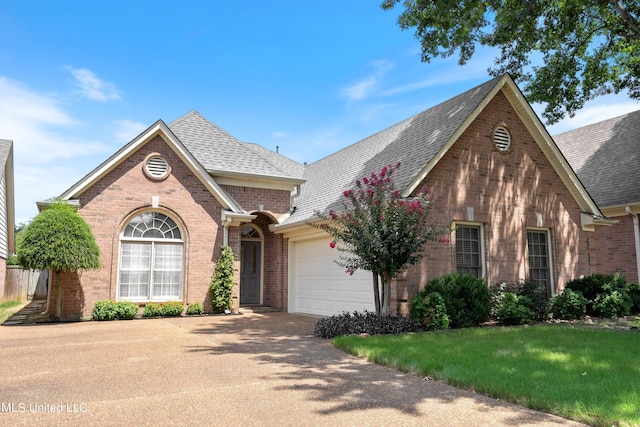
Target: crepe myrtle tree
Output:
{"points": [[58, 239], [377, 230]]}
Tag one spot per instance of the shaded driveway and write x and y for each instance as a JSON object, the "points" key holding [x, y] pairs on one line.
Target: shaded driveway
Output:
{"points": [[254, 369]]}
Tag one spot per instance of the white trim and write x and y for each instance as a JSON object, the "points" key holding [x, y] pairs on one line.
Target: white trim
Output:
{"points": [[636, 235]]}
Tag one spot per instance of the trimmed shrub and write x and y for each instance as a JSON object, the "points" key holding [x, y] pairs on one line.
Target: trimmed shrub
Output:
{"points": [[593, 285], [104, 310], [536, 298], [152, 309], [466, 299], [109, 310], [612, 303], [168, 309], [172, 308], [366, 322], [126, 310], [430, 311], [195, 308], [633, 289], [515, 310], [570, 305]]}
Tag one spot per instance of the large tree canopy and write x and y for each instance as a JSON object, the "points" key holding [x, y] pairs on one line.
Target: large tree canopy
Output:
{"points": [[562, 52]]}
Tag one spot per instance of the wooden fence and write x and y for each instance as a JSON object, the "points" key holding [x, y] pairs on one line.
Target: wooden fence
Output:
{"points": [[22, 285]]}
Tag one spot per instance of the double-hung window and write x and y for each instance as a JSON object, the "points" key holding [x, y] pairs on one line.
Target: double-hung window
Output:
{"points": [[469, 250], [539, 259], [151, 259]]}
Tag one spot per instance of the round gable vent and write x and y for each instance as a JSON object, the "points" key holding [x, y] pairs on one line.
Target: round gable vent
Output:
{"points": [[502, 139], [156, 167]]}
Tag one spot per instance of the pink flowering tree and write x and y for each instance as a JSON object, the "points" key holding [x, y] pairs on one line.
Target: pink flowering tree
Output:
{"points": [[379, 231]]}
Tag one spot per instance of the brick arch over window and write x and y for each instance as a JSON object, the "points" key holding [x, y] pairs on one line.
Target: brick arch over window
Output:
{"points": [[151, 258]]}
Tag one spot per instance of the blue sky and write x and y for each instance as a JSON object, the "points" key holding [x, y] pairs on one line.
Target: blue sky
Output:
{"points": [[79, 79]]}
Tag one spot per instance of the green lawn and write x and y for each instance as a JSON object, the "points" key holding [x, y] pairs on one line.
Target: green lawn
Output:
{"points": [[7, 308], [588, 375]]}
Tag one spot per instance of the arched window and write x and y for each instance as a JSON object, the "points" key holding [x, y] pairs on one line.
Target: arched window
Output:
{"points": [[151, 259]]}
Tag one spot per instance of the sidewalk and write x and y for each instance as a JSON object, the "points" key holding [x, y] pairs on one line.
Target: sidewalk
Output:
{"points": [[27, 315]]}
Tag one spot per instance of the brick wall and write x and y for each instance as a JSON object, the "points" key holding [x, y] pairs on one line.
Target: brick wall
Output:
{"points": [[275, 255], [126, 191], [613, 249], [506, 191]]}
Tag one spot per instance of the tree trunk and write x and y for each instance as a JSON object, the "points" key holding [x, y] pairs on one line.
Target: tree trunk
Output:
{"points": [[386, 294], [376, 291], [56, 275]]}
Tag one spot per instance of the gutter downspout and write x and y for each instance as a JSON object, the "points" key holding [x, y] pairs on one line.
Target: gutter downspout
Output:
{"points": [[225, 233], [636, 232]]}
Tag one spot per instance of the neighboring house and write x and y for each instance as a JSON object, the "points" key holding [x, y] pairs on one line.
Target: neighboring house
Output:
{"points": [[606, 158], [7, 228], [162, 206]]}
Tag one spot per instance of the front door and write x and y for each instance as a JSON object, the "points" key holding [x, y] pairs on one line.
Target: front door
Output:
{"points": [[250, 256]]}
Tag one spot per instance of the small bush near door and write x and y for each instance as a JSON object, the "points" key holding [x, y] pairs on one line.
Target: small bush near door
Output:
{"points": [[221, 286]]}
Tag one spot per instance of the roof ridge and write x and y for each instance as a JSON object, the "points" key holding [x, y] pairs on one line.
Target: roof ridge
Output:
{"points": [[599, 123]]}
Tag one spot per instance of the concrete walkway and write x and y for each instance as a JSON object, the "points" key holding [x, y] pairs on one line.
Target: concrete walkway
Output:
{"points": [[256, 369], [27, 315]]}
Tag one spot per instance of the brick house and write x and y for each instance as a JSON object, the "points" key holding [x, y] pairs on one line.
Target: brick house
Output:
{"points": [[606, 158], [162, 206]]}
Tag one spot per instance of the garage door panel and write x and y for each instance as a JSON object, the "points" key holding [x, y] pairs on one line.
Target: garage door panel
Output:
{"points": [[324, 288]]}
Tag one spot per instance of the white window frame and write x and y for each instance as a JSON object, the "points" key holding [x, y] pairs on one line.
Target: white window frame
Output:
{"points": [[149, 297], [546, 231], [479, 226]]}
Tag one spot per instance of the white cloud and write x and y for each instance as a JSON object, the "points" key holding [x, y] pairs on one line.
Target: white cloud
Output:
{"points": [[17, 101], [126, 130], [600, 109], [92, 87], [47, 160], [279, 134], [364, 88]]}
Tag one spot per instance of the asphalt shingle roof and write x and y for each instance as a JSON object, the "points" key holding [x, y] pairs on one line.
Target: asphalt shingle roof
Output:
{"points": [[219, 151], [413, 142], [606, 158]]}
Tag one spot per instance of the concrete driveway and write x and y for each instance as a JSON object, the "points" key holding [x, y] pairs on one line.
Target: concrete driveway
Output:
{"points": [[252, 370]]}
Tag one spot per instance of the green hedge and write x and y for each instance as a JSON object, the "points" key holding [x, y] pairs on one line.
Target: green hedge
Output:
{"points": [[109, 310], [165, 309]]}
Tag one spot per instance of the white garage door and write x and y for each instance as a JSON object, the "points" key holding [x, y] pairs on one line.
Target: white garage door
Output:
{"points": [[322, 287]]}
